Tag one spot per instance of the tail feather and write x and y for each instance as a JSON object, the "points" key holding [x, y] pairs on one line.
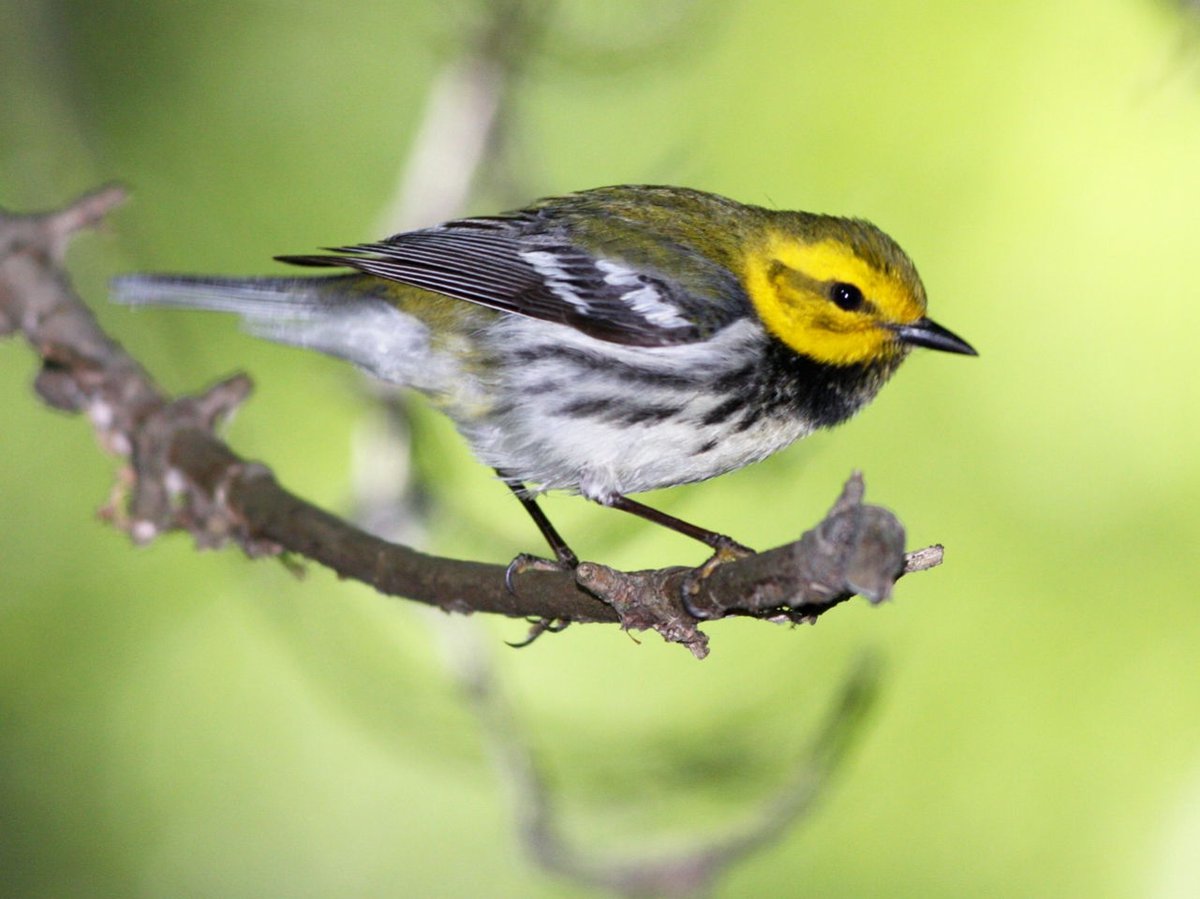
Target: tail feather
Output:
{"points": [[341, 316], [252, 298]]}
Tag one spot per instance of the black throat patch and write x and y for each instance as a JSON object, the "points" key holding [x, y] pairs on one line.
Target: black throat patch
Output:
{"points": [[786, 383]]}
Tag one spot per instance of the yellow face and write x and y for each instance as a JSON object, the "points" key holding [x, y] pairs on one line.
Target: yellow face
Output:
{"points": [[826, 301]]}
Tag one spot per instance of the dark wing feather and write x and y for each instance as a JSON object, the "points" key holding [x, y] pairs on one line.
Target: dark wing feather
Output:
{"points": [[516, 264]]}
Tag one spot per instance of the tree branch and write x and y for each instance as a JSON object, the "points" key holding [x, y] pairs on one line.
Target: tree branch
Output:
{"points": [[180, 476]]}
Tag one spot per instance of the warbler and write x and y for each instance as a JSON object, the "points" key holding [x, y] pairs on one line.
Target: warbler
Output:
{"points": [[609, 341]]}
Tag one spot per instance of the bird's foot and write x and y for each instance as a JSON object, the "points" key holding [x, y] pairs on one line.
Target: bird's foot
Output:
{"points": [[527, 562], [725, 549], [539, 626]]}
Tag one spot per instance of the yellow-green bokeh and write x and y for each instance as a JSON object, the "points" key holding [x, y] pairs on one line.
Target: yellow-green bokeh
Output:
{"points": [[174, 723]]}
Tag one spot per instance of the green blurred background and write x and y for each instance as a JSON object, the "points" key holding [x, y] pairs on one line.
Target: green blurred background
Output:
{"points": [[175, 723]]}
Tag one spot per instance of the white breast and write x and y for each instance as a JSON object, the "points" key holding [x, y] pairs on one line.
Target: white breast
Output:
{"points": [[578, 414]]}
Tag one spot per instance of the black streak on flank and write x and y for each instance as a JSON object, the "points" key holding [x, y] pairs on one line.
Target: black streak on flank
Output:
{"points": [[753, 414], [736, 379], [610, 410], [589, 408], [637, 415], [723, 411]]}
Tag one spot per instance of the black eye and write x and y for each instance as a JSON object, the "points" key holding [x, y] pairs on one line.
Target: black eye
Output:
{"points": [[846, 296]]}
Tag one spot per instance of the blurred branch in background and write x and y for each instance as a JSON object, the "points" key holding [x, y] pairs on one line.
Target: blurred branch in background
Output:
{"points": [[1183, 61], [688, 870], [468, 104]]}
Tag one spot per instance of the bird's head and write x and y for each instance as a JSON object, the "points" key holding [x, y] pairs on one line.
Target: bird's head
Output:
{"points": [[841, 292]]}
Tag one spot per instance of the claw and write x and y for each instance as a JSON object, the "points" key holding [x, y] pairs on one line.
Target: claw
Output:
{"points": [[527, 562], [726, 550], [539, 626]]}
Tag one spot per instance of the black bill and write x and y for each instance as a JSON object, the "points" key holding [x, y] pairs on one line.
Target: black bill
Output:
{"points": [[930, 334]]}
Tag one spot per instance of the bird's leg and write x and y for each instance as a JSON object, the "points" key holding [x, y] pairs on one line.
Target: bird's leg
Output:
{"points": [[725, 549], [565, 559]]}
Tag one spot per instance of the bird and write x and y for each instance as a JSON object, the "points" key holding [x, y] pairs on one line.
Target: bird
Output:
{"points": [[609, 341]]}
